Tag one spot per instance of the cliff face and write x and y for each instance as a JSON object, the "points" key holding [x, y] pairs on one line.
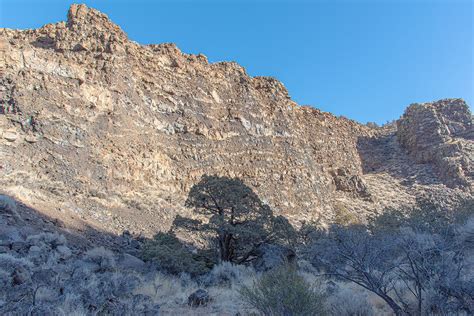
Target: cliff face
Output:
{"points": [[441, 134], [99, 130]]}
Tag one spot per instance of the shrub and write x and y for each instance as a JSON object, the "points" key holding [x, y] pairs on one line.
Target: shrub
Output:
{"points": [[172, 256], [9, 262], [343, 217], [283, 291], [227, 273], [53, 240], [102, 257], [404, 258], [8, 205], [347, 301]]}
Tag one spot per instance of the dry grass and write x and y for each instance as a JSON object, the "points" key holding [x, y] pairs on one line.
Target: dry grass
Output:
{"points": [[172, 293], [167, 290]]}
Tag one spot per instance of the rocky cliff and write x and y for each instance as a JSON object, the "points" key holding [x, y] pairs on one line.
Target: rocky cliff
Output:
{"points": [[99, 130]]}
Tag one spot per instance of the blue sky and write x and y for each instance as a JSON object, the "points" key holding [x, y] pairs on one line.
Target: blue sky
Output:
{"points": [[366, 60]]}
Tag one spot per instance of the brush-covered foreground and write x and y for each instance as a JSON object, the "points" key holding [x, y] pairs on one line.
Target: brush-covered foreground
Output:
{"points": [[414, 263]]}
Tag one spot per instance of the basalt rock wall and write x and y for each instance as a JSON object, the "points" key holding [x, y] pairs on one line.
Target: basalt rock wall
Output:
{"points": [[99, 130]]}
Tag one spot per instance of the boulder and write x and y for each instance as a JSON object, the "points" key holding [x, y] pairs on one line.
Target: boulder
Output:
{"points": [[345, 181], [199, 298], [10, 136], [21, 275], [128, 262]]}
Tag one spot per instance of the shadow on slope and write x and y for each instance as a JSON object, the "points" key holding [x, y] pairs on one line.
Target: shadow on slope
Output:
{"points": [[48, 269], [27, 218], [383, 154], [230, 223]]}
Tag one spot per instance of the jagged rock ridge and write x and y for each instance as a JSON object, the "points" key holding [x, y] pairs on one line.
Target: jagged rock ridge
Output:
{"points": [[100, 130]]}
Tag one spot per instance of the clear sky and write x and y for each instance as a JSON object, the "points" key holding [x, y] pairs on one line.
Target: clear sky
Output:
{"points": [[364, 59]]}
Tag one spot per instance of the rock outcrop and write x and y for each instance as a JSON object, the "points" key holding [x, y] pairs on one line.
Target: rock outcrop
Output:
{"points": [[442, 134], [99, 130]]}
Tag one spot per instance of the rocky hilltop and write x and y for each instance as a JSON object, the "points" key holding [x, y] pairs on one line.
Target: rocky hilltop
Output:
{"points": [[97, 130]]}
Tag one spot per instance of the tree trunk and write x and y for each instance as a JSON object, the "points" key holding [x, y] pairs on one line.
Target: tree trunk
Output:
{"points": [[393, 305], [220, 250], [420, 299], [225, 247]]}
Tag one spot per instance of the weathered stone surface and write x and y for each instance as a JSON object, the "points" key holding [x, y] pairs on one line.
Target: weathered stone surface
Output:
{"points": [[127, 261], [442, 134], [10, 136], [347, 182], [122, 131]]}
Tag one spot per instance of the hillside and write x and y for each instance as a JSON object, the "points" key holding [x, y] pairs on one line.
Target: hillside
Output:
{"points": [[97, 130]]}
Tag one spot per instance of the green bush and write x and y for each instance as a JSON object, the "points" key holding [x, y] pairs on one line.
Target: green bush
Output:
{"points": [[284, 292], [171, 255]]}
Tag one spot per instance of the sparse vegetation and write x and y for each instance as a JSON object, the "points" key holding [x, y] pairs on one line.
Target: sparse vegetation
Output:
{"points": [[401, 261], [102, 259], [411, 261], [416, 261], [344, 217], [284, 292]]}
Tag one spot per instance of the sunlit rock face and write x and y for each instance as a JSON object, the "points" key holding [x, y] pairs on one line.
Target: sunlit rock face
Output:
{"points": [[99, 130], [442, 134]]}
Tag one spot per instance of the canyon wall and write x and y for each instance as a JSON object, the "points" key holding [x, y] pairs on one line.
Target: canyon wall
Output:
{"points": [[97, 130]]}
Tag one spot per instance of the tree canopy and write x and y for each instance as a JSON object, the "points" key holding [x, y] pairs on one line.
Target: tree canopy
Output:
{"points": [[232, 216]]}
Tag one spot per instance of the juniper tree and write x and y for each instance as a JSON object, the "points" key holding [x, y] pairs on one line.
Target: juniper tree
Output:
{"points": [[233, 217]]}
